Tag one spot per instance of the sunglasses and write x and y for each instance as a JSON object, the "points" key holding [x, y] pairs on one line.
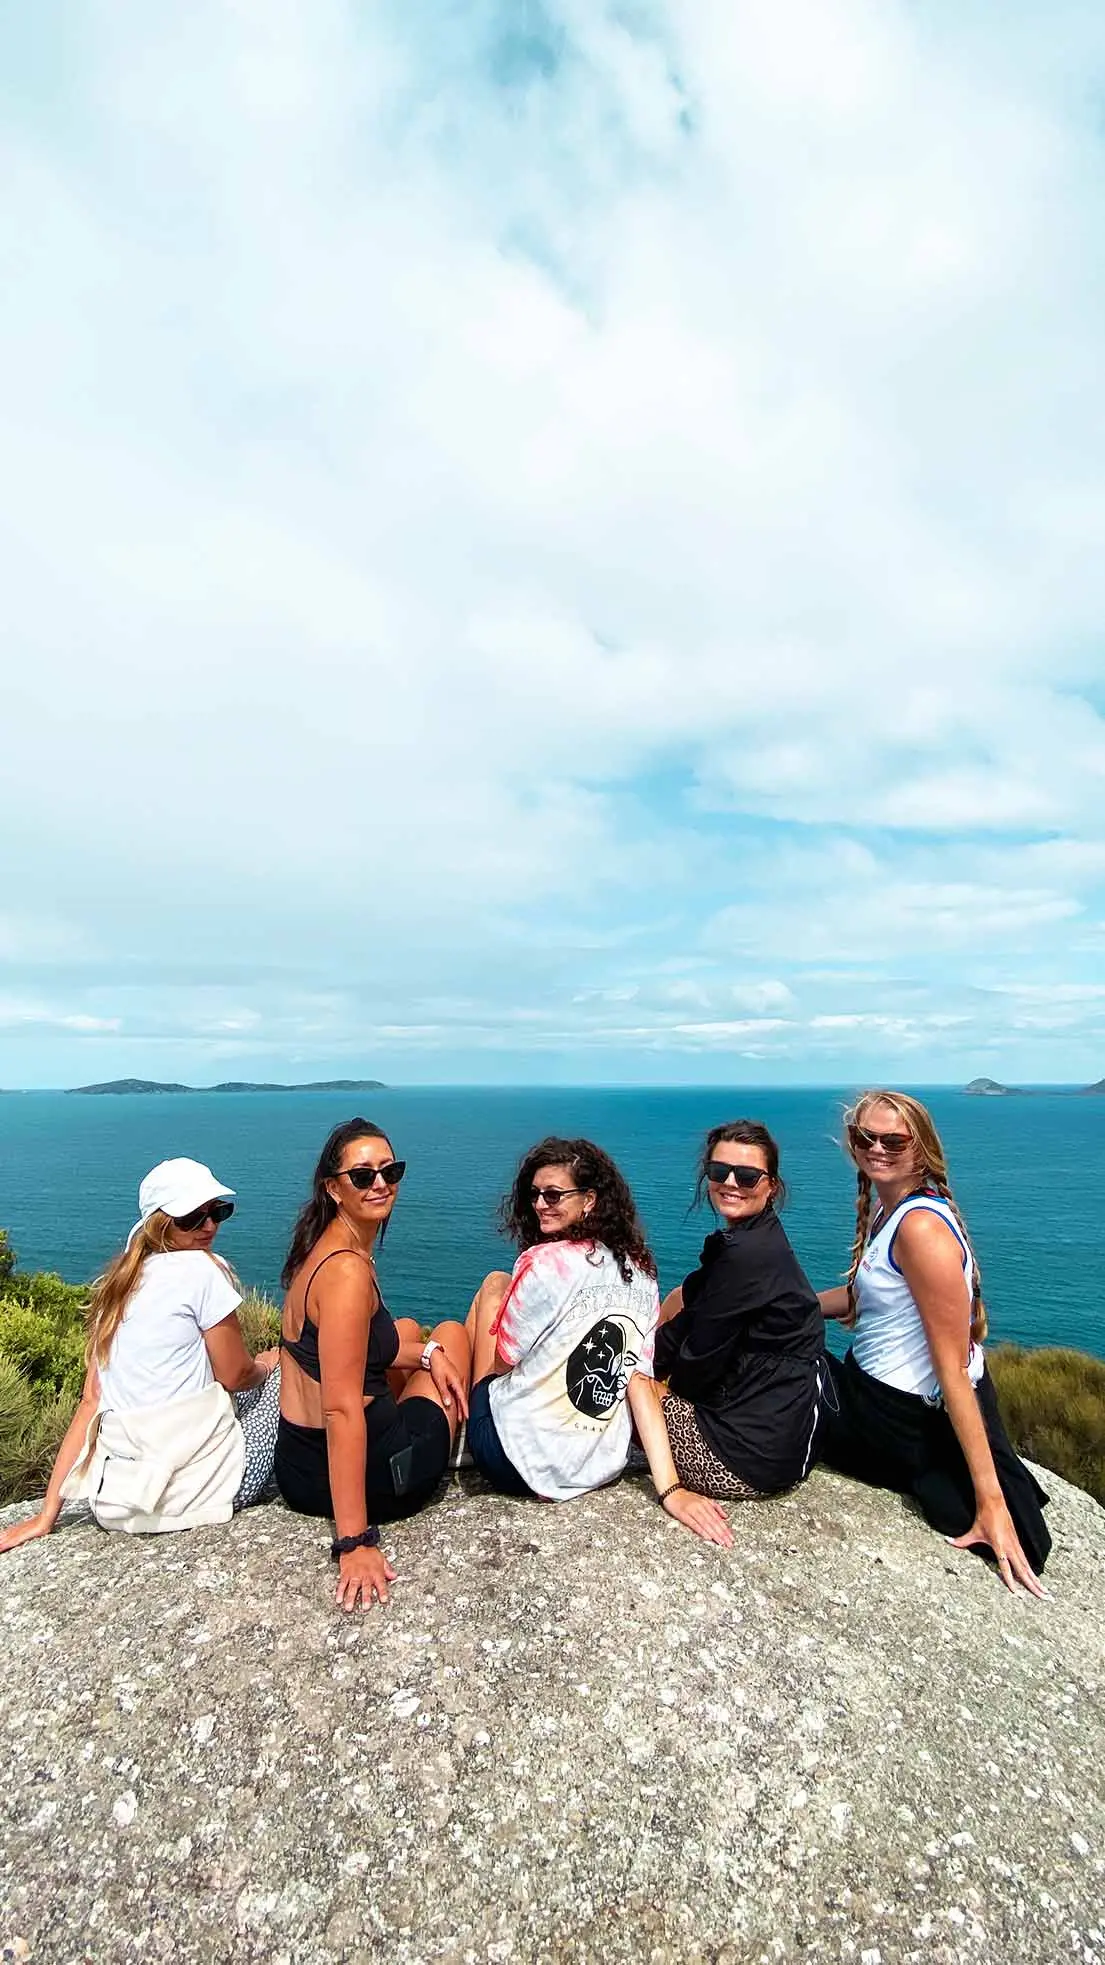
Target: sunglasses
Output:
{"points": [[552, 1196], [892, 1143], [719, 1171], [363, 1178], [215, 1211]]}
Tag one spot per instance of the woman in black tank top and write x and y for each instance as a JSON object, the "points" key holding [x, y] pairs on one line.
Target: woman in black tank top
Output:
{"points": [[368, 1410]]}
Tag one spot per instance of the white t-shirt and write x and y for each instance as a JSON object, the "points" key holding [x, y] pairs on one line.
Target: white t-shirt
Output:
{"points": [[158, 1352], [574, 1333]]}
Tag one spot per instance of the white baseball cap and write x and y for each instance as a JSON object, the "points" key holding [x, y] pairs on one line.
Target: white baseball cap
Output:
{"points": [[175, 1187]]}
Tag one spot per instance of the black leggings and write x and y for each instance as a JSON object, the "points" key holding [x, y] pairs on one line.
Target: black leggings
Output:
{"points": [[406, 1457], [897, 1440]]}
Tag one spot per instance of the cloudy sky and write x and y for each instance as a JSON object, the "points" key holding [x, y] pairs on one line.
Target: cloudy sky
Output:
{"points": [[552, 542]]}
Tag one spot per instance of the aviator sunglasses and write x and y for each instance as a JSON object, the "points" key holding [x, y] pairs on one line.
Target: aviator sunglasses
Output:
{"points": [[365, 1177], [892, 1143], [552, 1196], [719, 1171], [216, 1211]]}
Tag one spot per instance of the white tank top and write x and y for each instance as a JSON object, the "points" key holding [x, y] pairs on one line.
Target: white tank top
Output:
{"points": [[890, 1341]]}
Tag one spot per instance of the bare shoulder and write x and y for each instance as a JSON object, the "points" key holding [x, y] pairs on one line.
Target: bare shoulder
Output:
{"points": [[923, 1235], [343, 1280]]}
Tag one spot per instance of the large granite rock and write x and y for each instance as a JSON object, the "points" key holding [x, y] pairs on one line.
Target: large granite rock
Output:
{"points": [[575, 1734]]}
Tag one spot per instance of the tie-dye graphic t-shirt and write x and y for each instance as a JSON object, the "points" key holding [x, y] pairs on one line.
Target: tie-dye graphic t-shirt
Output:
{"points": [[573, 1333]]}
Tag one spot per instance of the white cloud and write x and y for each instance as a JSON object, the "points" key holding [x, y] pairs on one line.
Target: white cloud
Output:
{"points": [[1056, 992], [19, 1015], [480, 510]]}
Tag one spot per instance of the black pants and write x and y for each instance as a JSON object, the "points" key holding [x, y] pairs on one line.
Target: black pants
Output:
{"points": [[406, 1458], [897, 1440]]}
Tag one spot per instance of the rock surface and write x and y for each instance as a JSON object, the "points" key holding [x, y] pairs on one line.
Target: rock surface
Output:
{"points": [[576, 1733]]}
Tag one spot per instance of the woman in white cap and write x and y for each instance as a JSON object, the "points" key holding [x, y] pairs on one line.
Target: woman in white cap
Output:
{"points": [[176, 1427]]}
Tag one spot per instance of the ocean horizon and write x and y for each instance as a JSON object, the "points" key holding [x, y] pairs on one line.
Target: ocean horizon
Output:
{"points": [[1027, 1174]]}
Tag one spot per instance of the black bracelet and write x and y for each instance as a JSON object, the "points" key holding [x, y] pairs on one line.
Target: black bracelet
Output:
{"points": [[673, 1489], [344, 1545]]}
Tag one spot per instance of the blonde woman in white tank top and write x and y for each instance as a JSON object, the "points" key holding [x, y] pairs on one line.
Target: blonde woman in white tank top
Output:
{"points": [[912, 1407]]}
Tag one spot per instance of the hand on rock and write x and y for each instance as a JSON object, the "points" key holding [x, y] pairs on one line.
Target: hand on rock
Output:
{"points": [[363, 1575], [702, 1516], [27, 1531], [993, 1529]]}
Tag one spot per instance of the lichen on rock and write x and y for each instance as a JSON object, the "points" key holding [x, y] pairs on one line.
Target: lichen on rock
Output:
{"points": [[576, 1733]]}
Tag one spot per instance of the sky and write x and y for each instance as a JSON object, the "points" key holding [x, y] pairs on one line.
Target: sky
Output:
{"points": [[556, 542]]}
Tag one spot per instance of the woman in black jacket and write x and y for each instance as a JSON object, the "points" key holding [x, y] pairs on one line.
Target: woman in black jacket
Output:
{"points": [[741, 1343]]}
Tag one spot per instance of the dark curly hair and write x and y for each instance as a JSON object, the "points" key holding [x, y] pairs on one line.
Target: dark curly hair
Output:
{"points": [[318, 1212], [613, 1220], [743, 1132]]}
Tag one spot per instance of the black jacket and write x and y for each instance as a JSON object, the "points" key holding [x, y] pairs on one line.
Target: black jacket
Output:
{"points": [[746, 1351]]}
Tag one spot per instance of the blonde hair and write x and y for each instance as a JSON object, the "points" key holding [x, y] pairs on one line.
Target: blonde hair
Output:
{"points": [[918, 1122], [113, 1290]]}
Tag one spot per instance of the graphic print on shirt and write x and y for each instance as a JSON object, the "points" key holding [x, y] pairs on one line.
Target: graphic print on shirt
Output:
{"points": [[573, 1331], [599, 1369]]}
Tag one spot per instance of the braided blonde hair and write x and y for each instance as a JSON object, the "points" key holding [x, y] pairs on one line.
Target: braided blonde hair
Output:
{"points": [[918, 1122]]}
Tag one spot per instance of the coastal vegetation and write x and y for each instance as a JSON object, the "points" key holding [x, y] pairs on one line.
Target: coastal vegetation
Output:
{"points": [[1053, 1404], [1053, 1401]]}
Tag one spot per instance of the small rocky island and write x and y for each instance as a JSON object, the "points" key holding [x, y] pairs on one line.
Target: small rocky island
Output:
{"points": [[127, 1087], [990, 1088]]}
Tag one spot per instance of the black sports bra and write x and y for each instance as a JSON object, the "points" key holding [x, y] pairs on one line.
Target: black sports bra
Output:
{"points": [[383, 1339]]}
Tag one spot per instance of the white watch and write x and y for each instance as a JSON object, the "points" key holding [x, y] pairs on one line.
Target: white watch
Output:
{"points": [[428, 1353]]}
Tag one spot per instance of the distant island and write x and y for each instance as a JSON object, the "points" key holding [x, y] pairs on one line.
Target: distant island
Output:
{"points": [[122, 1086], [990, 1088]]}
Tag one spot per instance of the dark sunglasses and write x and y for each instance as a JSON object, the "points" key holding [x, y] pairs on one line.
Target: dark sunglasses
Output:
{"points": [[364, 1177], [215, 1211], [552, 1196], [892, 1143], [719, 1171]]}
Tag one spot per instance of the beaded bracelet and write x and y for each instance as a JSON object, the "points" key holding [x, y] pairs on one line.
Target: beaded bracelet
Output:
{"points": [[673, 1489], [344, 1545]]}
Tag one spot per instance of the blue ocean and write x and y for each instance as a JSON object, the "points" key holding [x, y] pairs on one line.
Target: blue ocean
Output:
{"points": [[1028, 1173]]}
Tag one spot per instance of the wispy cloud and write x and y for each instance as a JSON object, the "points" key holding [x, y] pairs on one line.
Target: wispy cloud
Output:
{"points": [[509, 513]]}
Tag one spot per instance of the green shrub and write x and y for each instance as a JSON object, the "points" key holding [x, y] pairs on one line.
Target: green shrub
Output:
{"points": [[48, 1354], [23, 1435], [42, 1331], [65, 1303], [37, 1450], [32, 1425], [260, 1321], [1053, 1405], [27, 1339], [17, 1403]]}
